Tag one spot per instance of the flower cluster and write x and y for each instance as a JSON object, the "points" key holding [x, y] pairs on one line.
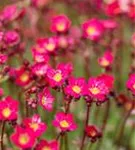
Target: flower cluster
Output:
{"points": [[59, 66]]}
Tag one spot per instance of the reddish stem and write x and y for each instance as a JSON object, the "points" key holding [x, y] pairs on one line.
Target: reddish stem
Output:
{"points": [[123, 124], [2, 134], [105, 119], [86, 123]]}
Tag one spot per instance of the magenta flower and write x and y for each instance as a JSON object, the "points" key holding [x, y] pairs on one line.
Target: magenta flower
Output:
{"points": [[99, 87], [131, 12], [22, 76], [64, 122], [63, 42], [1, 92], [1, 36], [35, 125], [109, 24], [40, 69], [113, 8], [60, 23], [40, 58], [11, 38], [47, 145], [92, 29], [46, 99], [75, 87], [23, 137], [68, 67], [3, 58], [108, 80], [8, 109], [48, 44], [133, 39], [93, 132], [56, 78], [39, 3], [131, 83], [106, 60], [10, 13]]}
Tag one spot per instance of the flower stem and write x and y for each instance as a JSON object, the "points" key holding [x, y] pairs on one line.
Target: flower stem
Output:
{"points": [[58, 136], [2, 134], [130, 137], [106, 116], [66, 142], [67, 106], [118, 140], [86, 123], [105, 119]]}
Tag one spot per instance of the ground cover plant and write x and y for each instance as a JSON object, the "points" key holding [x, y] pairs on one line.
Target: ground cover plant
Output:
{"points": [[67, 74]]}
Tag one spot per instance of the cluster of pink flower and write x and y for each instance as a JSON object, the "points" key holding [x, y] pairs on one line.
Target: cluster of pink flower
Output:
{"points": [[38, 78]]}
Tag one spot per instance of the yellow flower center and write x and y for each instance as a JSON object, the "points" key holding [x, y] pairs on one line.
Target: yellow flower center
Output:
{"points": [[57, 77], [50, 47], [60, 26], [6, 112], [24, 77], [34, 126], [24, 139], [104, 62], [40, 49], [43, 101], [133, 86], [92, 133], [91, 30], [76, 89], [46, 148], [94, 90], [64, 124]]}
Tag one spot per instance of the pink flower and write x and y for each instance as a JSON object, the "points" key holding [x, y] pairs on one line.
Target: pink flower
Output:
{"points": [[35, 125], [40, 69], [23, 137], [131, 12], [49, 44], [40, 58], [10, 13], [47, 145], [133, 39], [60, 23], [46, 46], [1, 36], [46, 99], [109, 24], [131, 83], [93, 29], [113, 8], [8, 109], [99, 87], [3, 58], [106, 60], [22, 76], [64, 122], [108, 80], [56, 78], [63, 42], [40, 3], [75, 87], [11, 38], [1, 92], [68, 67], [93, 132]]}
